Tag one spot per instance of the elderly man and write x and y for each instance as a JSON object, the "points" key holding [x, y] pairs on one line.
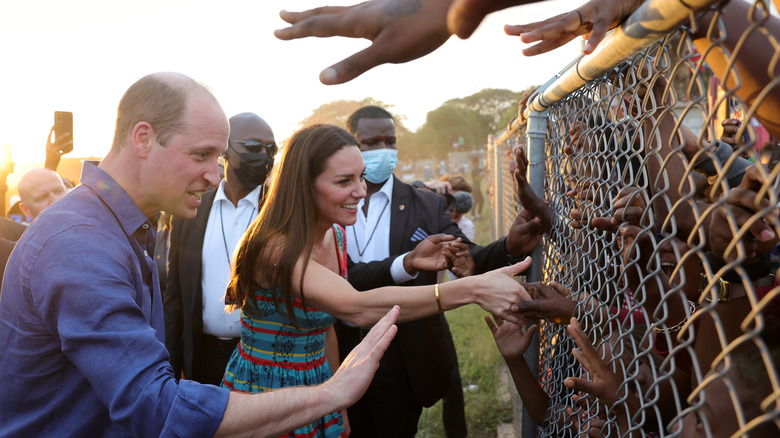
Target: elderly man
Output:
{"points": [[81, 319], [38, 189]]}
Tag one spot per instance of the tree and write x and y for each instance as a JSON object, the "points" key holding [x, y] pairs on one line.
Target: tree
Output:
{"points": [[338, 111], [447, 125]]}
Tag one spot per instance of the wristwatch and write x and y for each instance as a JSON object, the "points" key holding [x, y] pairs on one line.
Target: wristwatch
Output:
{"points": [[727, 290]]}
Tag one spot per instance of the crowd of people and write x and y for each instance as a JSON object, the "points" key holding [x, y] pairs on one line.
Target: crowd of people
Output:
{"points": [[114, 310]]}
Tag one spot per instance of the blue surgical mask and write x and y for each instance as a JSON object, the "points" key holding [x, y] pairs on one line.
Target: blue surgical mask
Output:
{"points": [[380, 164]]}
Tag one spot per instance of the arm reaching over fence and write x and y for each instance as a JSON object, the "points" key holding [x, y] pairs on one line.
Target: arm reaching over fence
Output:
{"points": [[591, 20], [399, 31]]}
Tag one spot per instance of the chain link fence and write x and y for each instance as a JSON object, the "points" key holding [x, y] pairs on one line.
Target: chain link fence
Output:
{"points": [[660, 163]]}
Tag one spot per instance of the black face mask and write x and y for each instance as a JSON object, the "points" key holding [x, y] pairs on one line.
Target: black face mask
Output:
{"points": [[253, 168]]}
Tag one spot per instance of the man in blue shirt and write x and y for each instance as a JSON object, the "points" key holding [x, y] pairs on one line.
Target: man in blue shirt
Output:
{"points": [[81, 317]]}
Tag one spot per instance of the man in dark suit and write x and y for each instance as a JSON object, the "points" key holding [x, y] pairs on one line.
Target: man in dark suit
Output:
{"points": [[392, 219], [10, 232], [199, 334]]}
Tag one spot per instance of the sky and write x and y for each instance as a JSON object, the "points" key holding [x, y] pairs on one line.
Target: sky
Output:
{"points": [[81, 55]]}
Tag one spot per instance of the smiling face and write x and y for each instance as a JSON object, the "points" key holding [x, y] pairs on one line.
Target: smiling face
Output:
{"points": [[339, 188], [178, 173]]}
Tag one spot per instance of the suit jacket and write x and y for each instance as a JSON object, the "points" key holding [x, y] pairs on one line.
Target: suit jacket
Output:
{"points": [[183, 297], [10, 232], [424, 352]]}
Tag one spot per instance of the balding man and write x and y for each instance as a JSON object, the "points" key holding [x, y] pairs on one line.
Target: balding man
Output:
{"points": [[38, 189], [81, 319], [199, 334]]}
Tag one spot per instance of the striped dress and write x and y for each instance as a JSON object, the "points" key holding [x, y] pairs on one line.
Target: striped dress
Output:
{"points": [[273, 353]]}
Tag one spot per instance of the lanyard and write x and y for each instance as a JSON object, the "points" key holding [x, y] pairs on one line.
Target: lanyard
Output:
{"points": [[222, 227], [376, 225]]}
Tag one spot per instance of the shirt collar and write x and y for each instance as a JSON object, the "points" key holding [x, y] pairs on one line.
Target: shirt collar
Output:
{"points": [[127, 213], [252, 197], [387, 187]]}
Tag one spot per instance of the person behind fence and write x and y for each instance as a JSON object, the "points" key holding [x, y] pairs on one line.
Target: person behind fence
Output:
{"points": [[200, 335], [81, 320], [290, 268]]}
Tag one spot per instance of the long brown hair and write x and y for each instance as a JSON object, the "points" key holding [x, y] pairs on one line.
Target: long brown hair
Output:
{"points": [[288, 216]]}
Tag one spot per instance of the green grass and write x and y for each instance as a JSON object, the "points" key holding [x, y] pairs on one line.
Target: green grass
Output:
{"points": [[479, 362]]}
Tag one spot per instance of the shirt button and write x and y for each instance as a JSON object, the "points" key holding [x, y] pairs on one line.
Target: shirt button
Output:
{"points": [[146, 253], [145, 226]]}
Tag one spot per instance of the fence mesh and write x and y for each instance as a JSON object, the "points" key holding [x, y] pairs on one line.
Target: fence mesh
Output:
{"points": [[663, 179]]}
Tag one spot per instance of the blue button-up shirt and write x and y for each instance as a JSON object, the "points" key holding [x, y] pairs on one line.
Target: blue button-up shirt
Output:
{"points": [[82, 347]]}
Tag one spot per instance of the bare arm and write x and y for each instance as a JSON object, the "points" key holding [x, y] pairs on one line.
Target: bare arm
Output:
{"points": [[495, 291], [276, 412]]}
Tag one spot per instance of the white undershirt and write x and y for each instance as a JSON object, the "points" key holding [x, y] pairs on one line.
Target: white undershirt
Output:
{"points": [[224, 216]]}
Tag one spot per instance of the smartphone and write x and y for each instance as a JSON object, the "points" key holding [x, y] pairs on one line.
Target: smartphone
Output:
{"points": [[63, 130]]}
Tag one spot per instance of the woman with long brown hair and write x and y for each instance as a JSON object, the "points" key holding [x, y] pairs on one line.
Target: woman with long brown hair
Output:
{"points": [[289, 277]]}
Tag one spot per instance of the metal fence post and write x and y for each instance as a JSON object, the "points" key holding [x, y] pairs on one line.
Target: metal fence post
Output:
{"points": [[536, 135]]}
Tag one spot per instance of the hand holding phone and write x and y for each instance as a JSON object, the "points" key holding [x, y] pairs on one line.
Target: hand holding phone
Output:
{"points": [[62, 142]]}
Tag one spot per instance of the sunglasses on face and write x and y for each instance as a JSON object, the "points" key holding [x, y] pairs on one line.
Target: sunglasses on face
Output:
{"points": [[256, 147]]}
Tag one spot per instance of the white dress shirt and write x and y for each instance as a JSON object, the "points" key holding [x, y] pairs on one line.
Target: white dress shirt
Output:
{"points": [[226, 224], [362, 246]]}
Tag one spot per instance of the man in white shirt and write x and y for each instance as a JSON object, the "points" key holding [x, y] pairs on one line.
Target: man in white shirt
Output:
{"points": [[199, 333]]}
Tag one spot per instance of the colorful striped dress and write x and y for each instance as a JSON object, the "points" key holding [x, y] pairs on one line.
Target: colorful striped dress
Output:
{"points": [[273, 353]]}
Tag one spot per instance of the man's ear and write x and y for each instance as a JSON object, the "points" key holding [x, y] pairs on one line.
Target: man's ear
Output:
{"points": [[142, 139], [24, 209]]}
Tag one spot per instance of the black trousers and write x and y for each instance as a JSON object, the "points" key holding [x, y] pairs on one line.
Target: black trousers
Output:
{"points": [[212, 358]]}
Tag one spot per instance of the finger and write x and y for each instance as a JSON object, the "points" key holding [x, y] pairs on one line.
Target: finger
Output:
{"points": [[578, 384], [520, 29], [557, 287], [596, 35], [383, 332], [586, 349], [352, 67], [491, 325], [319, 22], [441, 238], [604, 224], [548, 45], [529, 228], [524, 295]]}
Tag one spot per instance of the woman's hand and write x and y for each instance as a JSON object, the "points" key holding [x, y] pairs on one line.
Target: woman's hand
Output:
{"points": [[499, 293]]}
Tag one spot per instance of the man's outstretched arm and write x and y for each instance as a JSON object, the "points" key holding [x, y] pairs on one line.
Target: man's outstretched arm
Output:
{"points": [[282, 410]]}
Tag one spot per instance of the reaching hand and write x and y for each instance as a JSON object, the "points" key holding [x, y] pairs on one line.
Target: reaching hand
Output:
{"points": [[534, 219], [400, 31], [592, 20], [499, 293], [511, 339], [428, 255], [730, 128], [459, 259], [629, 205], [604, 383], [356, 371], [549, 302], [743, 203]]}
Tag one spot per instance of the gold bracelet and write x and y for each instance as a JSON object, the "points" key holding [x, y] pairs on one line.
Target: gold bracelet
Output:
{"points": [[436, 292]]}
